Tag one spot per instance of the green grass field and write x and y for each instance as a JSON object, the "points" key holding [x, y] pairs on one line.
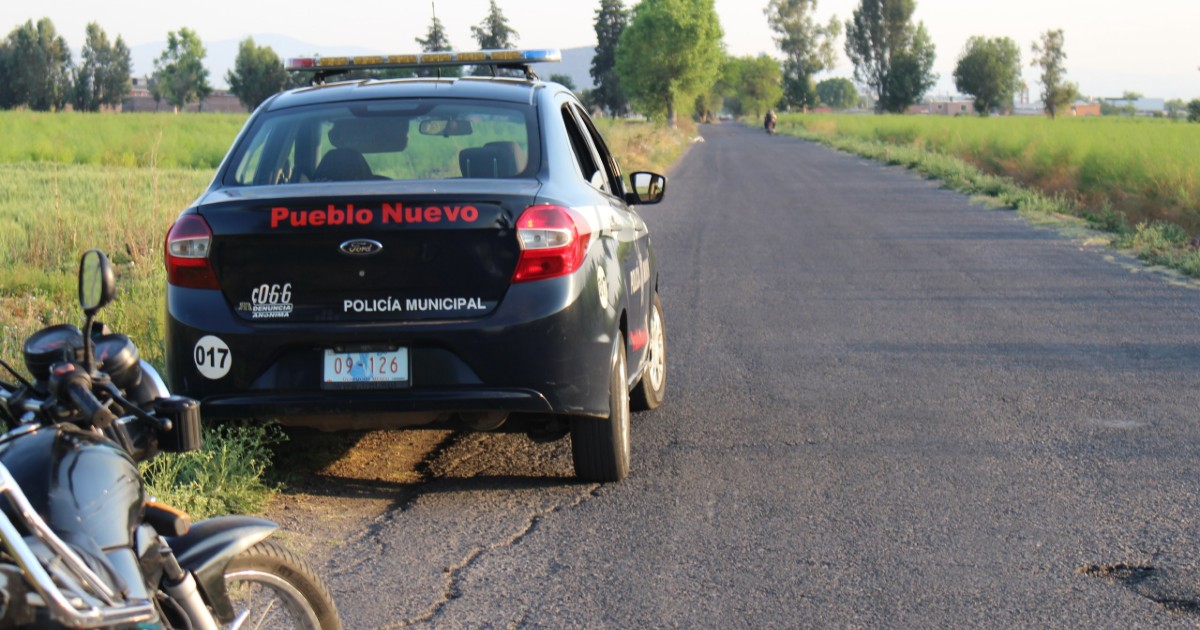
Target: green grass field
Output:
{"points": [[1145, 168]]}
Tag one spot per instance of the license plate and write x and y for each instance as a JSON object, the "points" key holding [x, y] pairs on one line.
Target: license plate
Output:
{"points": [[366, 369]]}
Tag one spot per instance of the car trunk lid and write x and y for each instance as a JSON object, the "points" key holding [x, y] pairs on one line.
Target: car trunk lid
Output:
{"points": [[319, 254]]}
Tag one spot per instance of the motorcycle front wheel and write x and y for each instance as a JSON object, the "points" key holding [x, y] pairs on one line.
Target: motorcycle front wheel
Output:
{"points": [[274, 588]]}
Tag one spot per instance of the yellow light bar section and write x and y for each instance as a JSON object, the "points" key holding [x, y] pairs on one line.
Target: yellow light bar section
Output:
{"points": [[423, 60]]}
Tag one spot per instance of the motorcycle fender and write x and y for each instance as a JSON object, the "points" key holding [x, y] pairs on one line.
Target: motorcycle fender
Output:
{"points": [[208, 548]]}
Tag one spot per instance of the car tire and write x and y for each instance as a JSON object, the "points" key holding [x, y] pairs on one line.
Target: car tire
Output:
{"points": [[600, 446], [653, 385]]}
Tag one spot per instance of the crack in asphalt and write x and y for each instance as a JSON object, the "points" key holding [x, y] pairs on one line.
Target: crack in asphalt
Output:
{"points": [[455, 573], [1162, 587], [425, 476]]}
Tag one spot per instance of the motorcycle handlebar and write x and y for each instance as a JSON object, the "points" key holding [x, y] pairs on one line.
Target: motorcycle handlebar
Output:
{"points": [[87, 403]]}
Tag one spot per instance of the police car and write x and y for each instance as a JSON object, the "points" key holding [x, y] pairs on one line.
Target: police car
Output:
{"points": [[422, 252]]}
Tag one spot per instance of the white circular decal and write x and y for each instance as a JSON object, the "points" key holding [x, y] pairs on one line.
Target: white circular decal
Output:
{"points": [[212, 357], [602, 284]]}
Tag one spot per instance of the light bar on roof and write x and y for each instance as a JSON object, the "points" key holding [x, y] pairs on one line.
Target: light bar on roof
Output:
{"points": [[423, 60]]}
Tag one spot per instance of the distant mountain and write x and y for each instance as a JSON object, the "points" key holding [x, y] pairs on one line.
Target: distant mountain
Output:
{"points": [[576, 62]]}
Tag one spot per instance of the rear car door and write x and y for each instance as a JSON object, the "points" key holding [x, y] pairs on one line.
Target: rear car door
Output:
{"points": [[626, 227]]}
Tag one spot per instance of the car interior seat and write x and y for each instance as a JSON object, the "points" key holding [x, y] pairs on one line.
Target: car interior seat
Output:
{"points": [[488, 162], [342, 165]]}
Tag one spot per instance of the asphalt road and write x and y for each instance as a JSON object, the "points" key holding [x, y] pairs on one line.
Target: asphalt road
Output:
{"points": [[887, 407]]}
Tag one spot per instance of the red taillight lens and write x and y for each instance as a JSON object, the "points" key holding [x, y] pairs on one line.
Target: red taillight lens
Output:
{"points": [[186, 254], [554, 242]]}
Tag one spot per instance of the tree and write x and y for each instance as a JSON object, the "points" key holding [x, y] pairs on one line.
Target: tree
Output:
{"points": [[838, 93], [891, 57], [179, 73], [436, 40], [669, 54], [564, 80], [611, 20], [1193, 109], [1175, 108], [493, 34], [759, 86], [36, 66], [720, 97], [989, 69], [808, 47], [1049, 55], [1131, 98], [257, 74], [911, 75], [102, 78]]}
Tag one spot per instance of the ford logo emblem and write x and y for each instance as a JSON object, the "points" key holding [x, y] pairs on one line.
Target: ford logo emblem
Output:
{"points": [[361, 247]]}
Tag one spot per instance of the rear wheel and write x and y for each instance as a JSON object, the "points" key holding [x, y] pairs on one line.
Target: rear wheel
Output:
{"points": [[600, 446], [274, 588], [653, 385]]}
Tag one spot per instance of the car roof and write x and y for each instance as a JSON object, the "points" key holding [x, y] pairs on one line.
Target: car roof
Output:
{"points": [[509, 89]]}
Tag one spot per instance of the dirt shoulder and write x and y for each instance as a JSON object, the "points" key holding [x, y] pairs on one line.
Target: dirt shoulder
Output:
{"points": [[336, 482]]}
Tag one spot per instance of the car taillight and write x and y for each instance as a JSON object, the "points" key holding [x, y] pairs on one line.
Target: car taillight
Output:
{"points": [[553, 241], [186, 254]]}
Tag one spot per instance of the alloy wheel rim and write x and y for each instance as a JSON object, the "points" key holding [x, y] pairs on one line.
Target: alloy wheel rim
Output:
{"points": [[657, 364]]}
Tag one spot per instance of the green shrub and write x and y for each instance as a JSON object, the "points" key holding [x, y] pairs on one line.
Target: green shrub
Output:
{"points": [[225, 477]]}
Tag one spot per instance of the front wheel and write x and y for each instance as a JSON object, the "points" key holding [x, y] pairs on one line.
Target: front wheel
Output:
{"points": [[653, 385], [273, 588], [600, 446]]}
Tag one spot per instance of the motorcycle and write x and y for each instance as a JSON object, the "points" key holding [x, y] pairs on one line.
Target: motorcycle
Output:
{"points": [[769, 124], [83, 546]]}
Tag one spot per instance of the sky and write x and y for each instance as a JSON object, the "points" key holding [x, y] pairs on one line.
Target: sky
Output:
{"points": [[1112, 46]]}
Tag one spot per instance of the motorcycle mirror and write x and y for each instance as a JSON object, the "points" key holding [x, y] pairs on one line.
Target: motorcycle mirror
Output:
{"points": [[97, 282]]}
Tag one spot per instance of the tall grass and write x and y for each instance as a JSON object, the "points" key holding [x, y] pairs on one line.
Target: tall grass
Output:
{"points": [[1146, 169], [112, 139], [50, 213], [645, 146]]}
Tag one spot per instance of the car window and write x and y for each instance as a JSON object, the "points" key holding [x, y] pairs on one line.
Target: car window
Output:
{"points": [[585, 158], [389, 139], [606, 158]]}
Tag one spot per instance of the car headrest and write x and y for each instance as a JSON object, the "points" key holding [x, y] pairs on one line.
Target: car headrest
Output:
{"points": [[487, 162], [342, 165]]}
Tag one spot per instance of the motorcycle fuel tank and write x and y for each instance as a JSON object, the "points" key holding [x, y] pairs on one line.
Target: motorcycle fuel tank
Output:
{"points": [[84, 486]]}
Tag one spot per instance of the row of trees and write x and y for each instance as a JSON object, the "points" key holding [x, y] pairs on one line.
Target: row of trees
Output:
{"points": [[660, 58], [38, 73]]}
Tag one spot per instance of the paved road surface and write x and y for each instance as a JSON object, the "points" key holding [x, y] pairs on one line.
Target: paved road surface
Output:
{"points": [[886, 407]]}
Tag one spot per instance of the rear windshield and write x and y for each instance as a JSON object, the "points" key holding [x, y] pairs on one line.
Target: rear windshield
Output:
{"points": [[387, 139]]}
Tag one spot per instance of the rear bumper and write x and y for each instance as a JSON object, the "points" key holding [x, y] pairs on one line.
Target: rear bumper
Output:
{"points": [[543, 350]]}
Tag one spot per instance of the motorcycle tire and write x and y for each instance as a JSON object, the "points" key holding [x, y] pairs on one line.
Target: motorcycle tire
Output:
{"points": [[279, 590]]}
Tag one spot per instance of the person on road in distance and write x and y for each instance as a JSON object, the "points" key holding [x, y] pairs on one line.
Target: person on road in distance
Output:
{"points": [[769, 120]]}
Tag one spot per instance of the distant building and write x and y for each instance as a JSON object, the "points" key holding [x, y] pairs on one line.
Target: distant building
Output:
{"points": [[948, 107], [1077, 109], [1141, 106], [140, 100]]}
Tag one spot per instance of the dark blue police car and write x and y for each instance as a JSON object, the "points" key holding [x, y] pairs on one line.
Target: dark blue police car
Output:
{"points": [[421, 252]]}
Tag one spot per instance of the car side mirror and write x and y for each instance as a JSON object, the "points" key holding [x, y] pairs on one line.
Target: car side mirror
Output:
{"points": [[647, 187]]}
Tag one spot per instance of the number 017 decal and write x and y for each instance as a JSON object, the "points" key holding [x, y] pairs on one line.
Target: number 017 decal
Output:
{"points": [[212, 356]]}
